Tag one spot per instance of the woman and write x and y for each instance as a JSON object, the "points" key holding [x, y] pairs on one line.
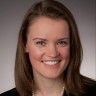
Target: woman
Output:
{"points": [[49, 54]]}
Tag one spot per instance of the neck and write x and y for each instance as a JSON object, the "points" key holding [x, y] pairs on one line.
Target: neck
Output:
{"points": [[52, 87]]}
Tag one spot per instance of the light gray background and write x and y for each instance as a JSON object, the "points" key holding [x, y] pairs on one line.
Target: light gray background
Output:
{"points": [[11, 15]]}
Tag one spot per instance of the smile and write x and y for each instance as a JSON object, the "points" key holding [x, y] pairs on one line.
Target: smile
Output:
{"points": [[51, 62]]}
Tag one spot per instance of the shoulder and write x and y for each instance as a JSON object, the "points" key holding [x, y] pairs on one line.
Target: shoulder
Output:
{"points": [[12, 92], [91, 90], [89, 86]]}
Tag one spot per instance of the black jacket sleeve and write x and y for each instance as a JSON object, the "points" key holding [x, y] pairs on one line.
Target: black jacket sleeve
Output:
{"points": [[12, 92], [91, 91]]}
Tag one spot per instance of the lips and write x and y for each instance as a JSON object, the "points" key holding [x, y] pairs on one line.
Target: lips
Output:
{"points": [[51, 62]]}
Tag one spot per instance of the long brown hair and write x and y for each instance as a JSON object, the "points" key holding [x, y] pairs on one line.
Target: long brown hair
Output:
{"points": [[23, 70]]}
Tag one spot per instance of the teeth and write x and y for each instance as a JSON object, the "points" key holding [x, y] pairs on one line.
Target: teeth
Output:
{"points": [[51, 62]]}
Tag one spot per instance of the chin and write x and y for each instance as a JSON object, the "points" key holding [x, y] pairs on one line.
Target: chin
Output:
{"points": [[52, 76]]}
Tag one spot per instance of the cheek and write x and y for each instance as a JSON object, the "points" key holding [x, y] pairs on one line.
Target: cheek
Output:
{"points": [[65, 52], [34, 54]]}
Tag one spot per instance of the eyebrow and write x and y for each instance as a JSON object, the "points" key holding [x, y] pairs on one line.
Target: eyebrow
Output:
{"points": [[39, 39], [66, 38]]}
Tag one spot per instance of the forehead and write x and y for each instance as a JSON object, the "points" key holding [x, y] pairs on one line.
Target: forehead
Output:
{"points": [[44, 26]]}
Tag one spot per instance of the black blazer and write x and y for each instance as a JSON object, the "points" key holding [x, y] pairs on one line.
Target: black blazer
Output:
{"points": [[12, 92], [91, 91]]}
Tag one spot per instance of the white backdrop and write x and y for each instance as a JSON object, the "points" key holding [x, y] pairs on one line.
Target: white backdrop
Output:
{"points": [[11, 15]]}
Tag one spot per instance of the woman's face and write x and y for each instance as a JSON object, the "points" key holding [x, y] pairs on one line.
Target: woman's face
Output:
{"points": [[48, 46]]}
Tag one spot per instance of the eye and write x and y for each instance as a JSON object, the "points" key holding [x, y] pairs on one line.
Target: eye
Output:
{"points": [[62, 43], [40, 43]]}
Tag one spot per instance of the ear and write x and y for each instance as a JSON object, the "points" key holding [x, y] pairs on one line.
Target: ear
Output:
{"points": [[26, 48]]}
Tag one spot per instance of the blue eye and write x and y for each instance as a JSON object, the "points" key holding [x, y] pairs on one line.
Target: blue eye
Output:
{"points": [[40, 43], [62, 43]]}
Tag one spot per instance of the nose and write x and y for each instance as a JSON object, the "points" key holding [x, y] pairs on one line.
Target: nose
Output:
{"points": [[52, 51]]}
